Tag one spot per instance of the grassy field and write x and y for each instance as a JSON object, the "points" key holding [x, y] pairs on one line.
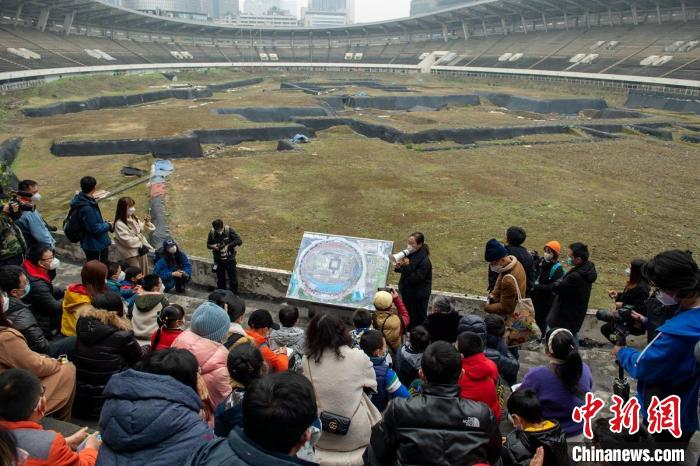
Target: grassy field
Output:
{"points": [[626, 198]]}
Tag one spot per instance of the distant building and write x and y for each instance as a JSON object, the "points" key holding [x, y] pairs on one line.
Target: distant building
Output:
{"points": [[259, 7], [428, 6], [221, 8], [183, 9], [273, 18], [323, 13]]}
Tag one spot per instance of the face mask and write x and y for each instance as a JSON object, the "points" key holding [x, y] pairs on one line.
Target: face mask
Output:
{"points": [[548, 256], [122, 276], [132, 210], [55, 264], [27, 288], [219, 232], [496, 268], [36, 197], [666, 299], [5, 303], [172, 249], [627, 272], [162, 288], [570, 261]]}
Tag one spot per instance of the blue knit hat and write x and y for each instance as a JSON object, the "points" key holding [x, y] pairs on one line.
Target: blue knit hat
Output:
{"points": [[210, 321], [495, 250]]}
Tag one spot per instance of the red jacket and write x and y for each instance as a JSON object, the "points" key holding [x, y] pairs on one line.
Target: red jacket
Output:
{"points": [[46, 447], [479, 382], [167, 337]]}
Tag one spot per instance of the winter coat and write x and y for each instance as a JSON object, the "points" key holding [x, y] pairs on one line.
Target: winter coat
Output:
{"points": [[46, 447], [167, 337], [149, 419], [479, 381], [75, 299], [521, 445], [129, 237], [35, 231], [23, 320], [556, 400], [276, 362], [442, 326], [289, 337], [541, 294], [437, 428], [636, 297], [42, 298], [95, 229], [416, 278], [229, 413], [393, 326], [145, 315], [407, 364], [211, 357], [526, 260], [106, 346], [238, 450], [165, 270], [339, 384], [58, 379], [495, 348], [572, 293], [505, 292], [655, 376], [228, 236], [12, 241]]}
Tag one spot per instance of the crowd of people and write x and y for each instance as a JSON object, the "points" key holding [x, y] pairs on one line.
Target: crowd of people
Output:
{"points": [[410, 382]]}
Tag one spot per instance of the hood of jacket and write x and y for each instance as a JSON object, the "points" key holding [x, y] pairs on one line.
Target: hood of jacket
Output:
{"points": [[34, 271], [411, 358], [81, 200], [477, 367], [550, 436], [95, 325], [146, 302], [139, 411], [686, 324], [473, 323], [75, 295], [587, 271], [288, 336]]}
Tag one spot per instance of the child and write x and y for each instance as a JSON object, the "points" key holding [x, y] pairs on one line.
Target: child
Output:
{"points": [[408, 358], [235, 308], [443, 321], [131, 286], [147, 305], [170, 322], [115, 277], [288, 336], [362, 321], [388, 384], [392, 325], [479, 375], [532, 432]]}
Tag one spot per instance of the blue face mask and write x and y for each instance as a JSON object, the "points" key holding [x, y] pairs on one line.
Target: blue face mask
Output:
{"points": [[570, 261], [27, 288]]}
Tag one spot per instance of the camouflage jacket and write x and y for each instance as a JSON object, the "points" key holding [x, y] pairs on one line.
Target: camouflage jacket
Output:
{"points": [[11, 240]]}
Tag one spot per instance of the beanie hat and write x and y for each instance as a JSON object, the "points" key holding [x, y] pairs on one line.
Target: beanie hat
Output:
{"points": [[554, 246], [495, 250], [495, 325], [383, 300], [210, 321]]}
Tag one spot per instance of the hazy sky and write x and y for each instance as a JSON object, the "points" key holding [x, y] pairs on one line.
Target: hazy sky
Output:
{"points": [[376, 10]]}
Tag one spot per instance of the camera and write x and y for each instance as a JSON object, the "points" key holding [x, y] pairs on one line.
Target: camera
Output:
{"points": [[15, 200], [620, 325], [388, 289]]}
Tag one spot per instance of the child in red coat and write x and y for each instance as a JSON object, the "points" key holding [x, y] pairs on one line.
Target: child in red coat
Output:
{"points": [[480, 375]]}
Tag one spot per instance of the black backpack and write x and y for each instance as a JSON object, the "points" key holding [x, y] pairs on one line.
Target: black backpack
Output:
{"points": [[73, 226]]}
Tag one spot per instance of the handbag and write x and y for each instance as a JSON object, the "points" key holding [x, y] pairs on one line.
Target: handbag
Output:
{"points": [[143, 250], [521, 325], [331, 422]]}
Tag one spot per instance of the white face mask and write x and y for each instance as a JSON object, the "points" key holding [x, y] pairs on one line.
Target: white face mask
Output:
{"points": [[122, 276], [666, 299], [162, 288], [548, 256], [172, 249], [5, 303], [36, 197], [55, 264], [132, 210], [496, 268]]}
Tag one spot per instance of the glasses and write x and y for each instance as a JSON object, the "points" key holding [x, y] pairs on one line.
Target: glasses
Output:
{"points": [[48, 258]]}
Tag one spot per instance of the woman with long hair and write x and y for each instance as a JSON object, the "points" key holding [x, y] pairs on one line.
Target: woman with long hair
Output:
{"points": [[340, 375], [79, 295], [130, 234], [636, 291], [562, 384]]}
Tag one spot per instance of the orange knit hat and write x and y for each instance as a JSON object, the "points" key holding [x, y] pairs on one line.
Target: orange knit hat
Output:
{"points": [[554, 246]]}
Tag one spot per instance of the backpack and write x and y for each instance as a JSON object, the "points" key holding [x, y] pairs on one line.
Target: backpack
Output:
{"points": [[73, 226], [554, 269]]}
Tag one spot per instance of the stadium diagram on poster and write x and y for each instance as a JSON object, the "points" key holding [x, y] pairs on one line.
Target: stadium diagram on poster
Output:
{"points": [[339, 270]]}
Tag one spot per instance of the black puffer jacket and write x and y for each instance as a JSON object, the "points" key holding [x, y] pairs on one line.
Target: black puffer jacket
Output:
{"points": [[438, 428], [106, 346], [541, 293], [571, 295], [42, 299], [416, 278], [521, 445], [442, 326], [24, 321]]}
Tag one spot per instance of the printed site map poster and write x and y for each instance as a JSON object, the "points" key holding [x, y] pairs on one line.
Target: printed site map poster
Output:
{"points": [[340, 270]]}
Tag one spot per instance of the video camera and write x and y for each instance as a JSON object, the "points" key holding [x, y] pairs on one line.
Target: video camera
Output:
{"points": [[14, 199], [621, 323]]}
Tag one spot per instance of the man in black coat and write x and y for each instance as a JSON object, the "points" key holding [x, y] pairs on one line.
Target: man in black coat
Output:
{"points": [[515, 237], [44, 300], [438, 427], [416, 281], [277, 413], [222, 241], [573, 291]]}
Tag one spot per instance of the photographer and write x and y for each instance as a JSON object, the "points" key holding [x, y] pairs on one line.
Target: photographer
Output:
{"points": [[416, 281], [222, 240], [634, 297], [31, 222], [667, 365], [12, 243]]}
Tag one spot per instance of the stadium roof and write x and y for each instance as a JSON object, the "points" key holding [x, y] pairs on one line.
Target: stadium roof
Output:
{"points": [[474, 13]]}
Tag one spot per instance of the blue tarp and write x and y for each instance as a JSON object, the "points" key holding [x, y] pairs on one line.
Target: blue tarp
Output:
{"points": [[300, 139]]}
